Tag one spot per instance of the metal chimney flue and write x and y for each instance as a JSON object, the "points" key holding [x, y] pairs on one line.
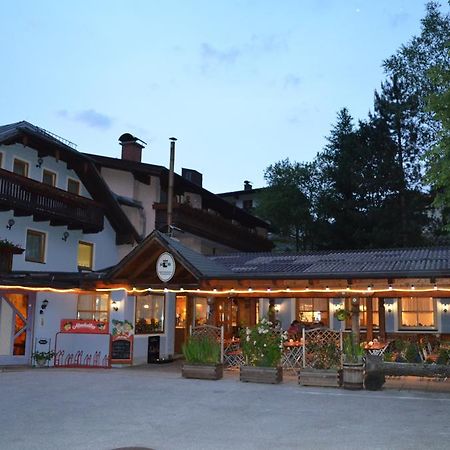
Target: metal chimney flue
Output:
{"points": [[171, 182]]}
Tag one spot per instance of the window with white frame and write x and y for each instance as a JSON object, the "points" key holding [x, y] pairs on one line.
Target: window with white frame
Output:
{"points": [[35, 246], [417, 312], [93, 306], [149, 314]]}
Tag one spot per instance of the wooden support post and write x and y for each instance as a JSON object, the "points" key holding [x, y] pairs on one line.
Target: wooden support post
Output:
{"points": [[369, 316], [382, 319], [355, 320]]}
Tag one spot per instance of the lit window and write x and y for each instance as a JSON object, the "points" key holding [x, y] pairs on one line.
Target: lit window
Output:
{"points": [[93, 307], [200, 311], [35, 248], [313, 311], [85, 255], [149, 314], [73, 186], [417, 312], [180, 311], [363, 312], [49, 177], [20, 167]]}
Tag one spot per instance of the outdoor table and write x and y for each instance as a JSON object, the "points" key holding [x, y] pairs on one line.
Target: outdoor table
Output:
{"points": [[291, 358]]}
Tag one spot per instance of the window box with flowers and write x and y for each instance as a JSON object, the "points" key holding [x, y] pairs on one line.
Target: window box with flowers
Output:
{"points": [[7, 251], [262, 345]]}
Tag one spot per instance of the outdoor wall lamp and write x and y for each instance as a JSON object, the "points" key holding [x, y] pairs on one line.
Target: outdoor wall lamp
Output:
{"points": [[44, 305], [39, 162], [115, 306], [389, 310], [444, 308], [65, 236], [277, 308], [11, 223]]}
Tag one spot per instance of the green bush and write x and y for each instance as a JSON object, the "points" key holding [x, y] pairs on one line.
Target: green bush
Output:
{"points": [[412, 353], [353, 352], [201, 350]]}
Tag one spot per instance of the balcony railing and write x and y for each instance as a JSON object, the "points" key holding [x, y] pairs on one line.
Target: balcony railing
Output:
{"points": [[46, 203], [210, 226]]}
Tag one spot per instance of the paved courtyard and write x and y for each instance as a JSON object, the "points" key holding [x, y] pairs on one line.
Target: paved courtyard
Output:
{"points": [[153, 407]]}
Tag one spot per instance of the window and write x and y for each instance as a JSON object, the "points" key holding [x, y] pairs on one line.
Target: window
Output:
{"points": [[73, 186], [20, 167], [35, 248], [93, 307], [313, 311], [200, 311], [149, 314], [85, 255], [363, 313], [49, 177], [417, 312]]}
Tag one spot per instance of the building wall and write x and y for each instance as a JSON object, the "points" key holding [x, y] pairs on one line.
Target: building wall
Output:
{"points": [[30, 156]]}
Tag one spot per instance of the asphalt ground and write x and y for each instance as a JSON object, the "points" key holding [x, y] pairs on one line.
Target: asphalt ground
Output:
{"points": [[154, 407]]}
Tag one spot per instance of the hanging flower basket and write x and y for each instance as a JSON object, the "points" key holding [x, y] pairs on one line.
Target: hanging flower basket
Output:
{"points": [[342, 314]]}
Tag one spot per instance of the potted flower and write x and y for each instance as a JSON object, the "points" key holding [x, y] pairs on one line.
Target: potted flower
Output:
{"points": [[42, 358], [7, 250], [262, 346], [353, 367], [202, 354], [324, 366]]}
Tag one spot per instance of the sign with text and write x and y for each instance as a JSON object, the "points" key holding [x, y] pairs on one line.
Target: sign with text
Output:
{"points": [[122, 349], [165, 267], [84, 326]]}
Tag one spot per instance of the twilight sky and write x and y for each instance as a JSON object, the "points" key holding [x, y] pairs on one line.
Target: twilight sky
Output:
{"points": [[241, 84]]}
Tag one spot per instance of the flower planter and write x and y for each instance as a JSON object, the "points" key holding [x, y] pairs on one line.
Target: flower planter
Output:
{"points": [[255, 374], [353, 376], [202, 371], [41, 362], [6, 258], [319, 377]]}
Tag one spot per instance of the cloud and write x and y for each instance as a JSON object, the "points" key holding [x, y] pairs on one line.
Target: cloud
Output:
{"points": [[229, 56], [94, 119], [89, 117], [292, 81]]}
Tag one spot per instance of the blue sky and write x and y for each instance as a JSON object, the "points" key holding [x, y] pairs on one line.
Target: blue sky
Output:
{"points": [[241, 84]]}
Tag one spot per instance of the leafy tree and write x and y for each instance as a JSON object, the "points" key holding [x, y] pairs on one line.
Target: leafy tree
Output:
{"points": [[286, 201]]}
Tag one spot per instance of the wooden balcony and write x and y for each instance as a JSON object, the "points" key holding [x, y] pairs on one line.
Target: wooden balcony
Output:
{"points": [[211, 226], [27, 197]]}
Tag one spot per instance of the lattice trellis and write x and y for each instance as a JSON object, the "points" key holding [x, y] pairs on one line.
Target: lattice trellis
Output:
{"points": [[319, 337], [211, 332]]}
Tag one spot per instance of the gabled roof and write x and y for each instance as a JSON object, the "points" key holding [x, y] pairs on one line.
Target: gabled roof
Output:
{"points": [[139, 265], [48, 144]]}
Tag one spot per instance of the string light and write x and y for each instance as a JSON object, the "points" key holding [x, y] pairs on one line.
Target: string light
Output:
{"points": [[215, 291]]}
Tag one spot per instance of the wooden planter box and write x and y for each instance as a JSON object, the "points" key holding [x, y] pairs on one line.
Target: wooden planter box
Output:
{"points": [[202, 371], [253, 374], [319, 377], [6, 258], [353, 376]]}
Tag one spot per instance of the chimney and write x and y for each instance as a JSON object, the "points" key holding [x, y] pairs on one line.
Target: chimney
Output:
{"points": [[131, 147], [193, 176], [247, 185]]}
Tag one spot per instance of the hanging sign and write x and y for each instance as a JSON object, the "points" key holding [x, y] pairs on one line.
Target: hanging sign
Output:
{"points": [[84, 326], [165, 267]]}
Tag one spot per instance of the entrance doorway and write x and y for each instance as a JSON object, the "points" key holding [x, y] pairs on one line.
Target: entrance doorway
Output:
{"points": [[182, 319], [15, 329]]}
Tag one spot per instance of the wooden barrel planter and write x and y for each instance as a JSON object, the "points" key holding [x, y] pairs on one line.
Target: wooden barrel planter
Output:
{"points": [[353, 376], [319, 377], [202, 371], [254, 374]]}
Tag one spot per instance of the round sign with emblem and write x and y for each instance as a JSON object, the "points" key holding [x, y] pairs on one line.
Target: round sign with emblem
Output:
{"points": [[165, 267]]}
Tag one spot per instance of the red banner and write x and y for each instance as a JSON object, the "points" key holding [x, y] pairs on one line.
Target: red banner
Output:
{"points": [[84, 326]]}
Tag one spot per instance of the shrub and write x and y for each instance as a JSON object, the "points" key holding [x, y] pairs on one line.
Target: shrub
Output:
{"points": [[353, 352], [201, 350]]}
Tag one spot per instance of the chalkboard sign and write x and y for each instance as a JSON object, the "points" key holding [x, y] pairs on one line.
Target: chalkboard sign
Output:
{"points": [[121, 350]]}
